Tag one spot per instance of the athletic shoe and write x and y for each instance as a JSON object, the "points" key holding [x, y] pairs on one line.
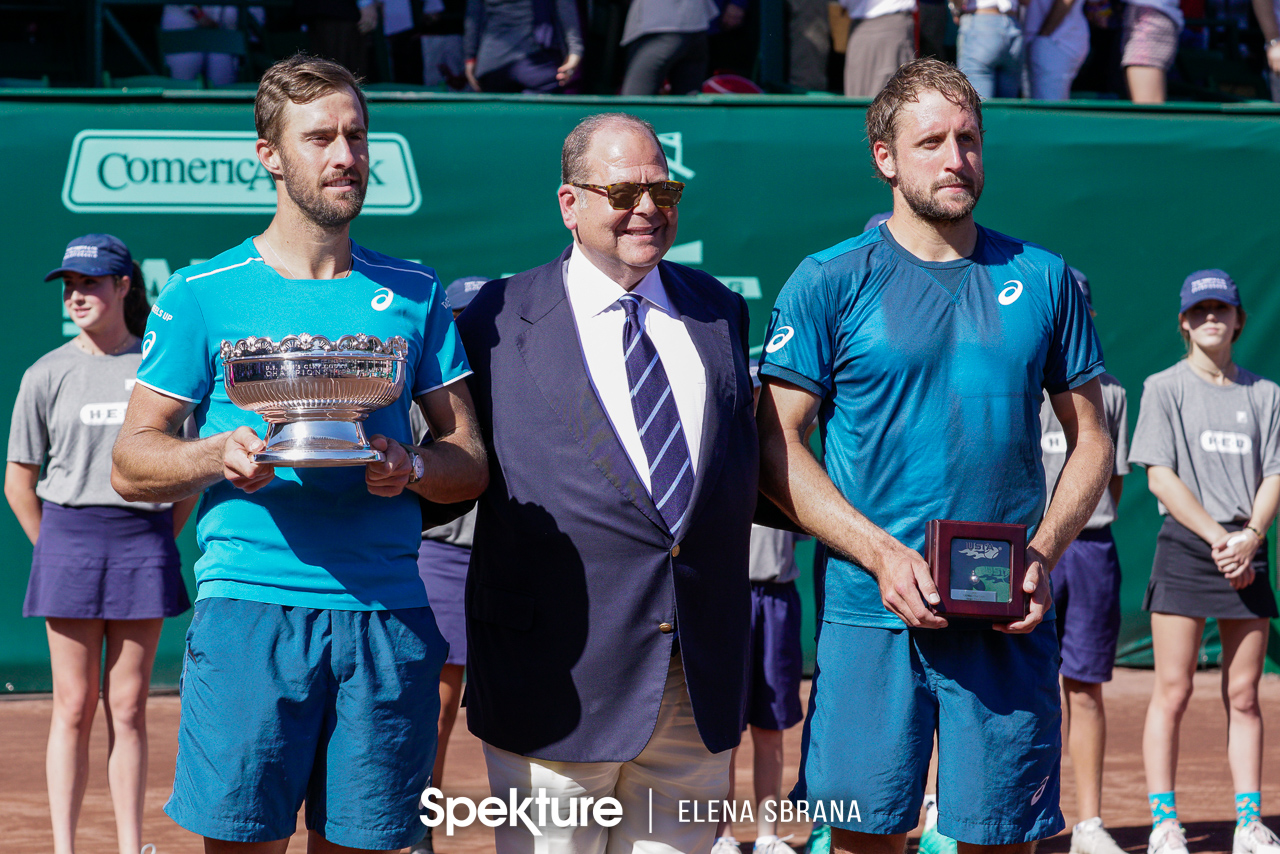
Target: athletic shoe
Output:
{"points": [[425, 846], [1167, 838], [1090, 837], [772, 845], [726, 845], [931, 841], [147, 849], [819, 840], [1255, 838]]}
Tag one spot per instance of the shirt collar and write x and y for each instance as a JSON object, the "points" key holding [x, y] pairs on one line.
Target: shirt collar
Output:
{"points": [[594, 292]]}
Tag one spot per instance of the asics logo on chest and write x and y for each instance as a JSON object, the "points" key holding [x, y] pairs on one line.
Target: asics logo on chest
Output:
{"points": [[1012, 290], [382, 299]]}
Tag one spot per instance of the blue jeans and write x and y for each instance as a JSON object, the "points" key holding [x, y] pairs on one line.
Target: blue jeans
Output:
{"points": [[989, 50]]}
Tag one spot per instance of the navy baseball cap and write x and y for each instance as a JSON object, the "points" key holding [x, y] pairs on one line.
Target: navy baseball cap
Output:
{"points": [[462, 291], [95, 255], [1209, 284], [1082, 282]]}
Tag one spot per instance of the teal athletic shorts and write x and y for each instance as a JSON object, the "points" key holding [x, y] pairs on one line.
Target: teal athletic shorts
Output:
{"points": [[282, 704], [877, 697]]}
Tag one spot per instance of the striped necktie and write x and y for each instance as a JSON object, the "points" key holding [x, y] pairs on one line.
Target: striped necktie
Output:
{"points": [[670, 468]]}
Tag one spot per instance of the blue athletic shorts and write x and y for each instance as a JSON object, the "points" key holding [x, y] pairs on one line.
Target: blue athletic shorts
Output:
{"points": [[773, 694], [285, 704], [877, 697], [1086, 589]]}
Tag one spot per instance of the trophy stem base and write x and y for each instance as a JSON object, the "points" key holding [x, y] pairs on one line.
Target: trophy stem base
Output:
{"points": [[315, 444]]}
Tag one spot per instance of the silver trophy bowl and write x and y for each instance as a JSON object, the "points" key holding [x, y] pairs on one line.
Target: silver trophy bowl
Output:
{"points": [[314, 393]]}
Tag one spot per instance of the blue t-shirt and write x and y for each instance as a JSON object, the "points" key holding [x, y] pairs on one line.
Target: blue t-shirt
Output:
{"points": [[312, 537], [930, 376]]}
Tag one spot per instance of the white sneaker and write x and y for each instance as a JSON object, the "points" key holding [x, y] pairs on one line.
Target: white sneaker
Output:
{"points": [[1167, 838], [773, 845], [1090, 837], [726, 845], [147, 849], [1255, 838]]}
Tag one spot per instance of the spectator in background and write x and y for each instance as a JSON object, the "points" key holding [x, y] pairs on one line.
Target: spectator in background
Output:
{"points": [[1057, 42], [1086, 588], [881, 40], [809, 40], [219, 69], [403, 43], [1208, 434], [336, 30], [531, 46], [1268, 14], [732, 43], [1151, 29], [441, 29], [989, 46], [104, 572], [667, 42]]}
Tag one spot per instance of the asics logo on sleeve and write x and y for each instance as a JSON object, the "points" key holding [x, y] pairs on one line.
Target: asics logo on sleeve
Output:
{"points": [[148, 341], [1222, 442], [382, 298], [779, 339], [1011, 292]]}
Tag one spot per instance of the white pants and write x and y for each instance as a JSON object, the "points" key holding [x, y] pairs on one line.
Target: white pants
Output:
{"points": [[674, 766], [1053, 62]]}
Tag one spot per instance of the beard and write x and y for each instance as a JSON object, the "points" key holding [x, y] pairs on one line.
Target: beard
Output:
{"points": [[325, 210], [926, 204]]}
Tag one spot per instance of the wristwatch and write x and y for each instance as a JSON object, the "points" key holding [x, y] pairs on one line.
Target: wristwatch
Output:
{"points": [[419, 466]]}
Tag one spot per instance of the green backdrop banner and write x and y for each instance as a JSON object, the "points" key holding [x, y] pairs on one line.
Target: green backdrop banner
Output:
{"points": [[1137, 198]]}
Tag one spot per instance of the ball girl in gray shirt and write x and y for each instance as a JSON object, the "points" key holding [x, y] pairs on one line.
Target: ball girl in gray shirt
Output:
{"points": [[1209, 435], [104, 572]]}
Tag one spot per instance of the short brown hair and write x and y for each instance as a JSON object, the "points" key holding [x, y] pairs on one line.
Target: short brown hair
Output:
{"points": [[573, 157], [906, 86], [300, 79]]}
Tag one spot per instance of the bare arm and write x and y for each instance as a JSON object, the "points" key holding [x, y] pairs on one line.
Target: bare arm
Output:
{"points": [[1233, 556], [1265, 11], [1182, 505], [456, 465], [151, 463], [1090, 462], [20, 490], [792, 478]]}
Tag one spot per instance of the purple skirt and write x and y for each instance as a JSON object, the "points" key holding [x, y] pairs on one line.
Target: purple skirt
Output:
{"points": [[443, 570], [105, 563]]}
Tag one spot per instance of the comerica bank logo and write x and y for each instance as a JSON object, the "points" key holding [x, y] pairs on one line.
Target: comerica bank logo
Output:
{"points": [[147, 171]]}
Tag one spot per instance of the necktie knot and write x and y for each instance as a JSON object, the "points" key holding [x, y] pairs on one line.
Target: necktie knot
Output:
{"points": [[630, 305]]}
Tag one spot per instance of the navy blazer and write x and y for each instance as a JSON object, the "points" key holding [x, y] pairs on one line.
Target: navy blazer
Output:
{"points": [[573, 569]]}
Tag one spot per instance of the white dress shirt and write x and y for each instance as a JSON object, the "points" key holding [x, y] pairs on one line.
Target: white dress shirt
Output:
{"points": [[599, 317]]}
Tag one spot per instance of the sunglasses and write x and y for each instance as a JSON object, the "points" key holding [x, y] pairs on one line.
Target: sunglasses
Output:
{"points": [[626, 195]]}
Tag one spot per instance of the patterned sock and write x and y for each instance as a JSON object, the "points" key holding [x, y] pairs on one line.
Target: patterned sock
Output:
{"points": [[1162, 807], [1248, 808]]}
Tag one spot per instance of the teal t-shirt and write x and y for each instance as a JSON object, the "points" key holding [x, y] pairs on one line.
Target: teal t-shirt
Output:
{"points": [[930, 377], [312, 537]]}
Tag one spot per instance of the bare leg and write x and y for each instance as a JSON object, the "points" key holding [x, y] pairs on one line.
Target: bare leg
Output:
{"points": [[131, 650], [317, 844], [724, 828], [222, 846], [75, 655], [1244, 649], [852, 842], [767, 774], [1017, 848], [1175, 642], [1146, 86], [450, 697], [1086, 723]]}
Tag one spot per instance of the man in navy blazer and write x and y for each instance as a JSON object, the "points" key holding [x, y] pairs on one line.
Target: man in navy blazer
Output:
{"points": [[608, 598]]}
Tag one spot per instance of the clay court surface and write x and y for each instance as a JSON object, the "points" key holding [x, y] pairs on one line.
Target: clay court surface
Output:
{"points": [[1204, 786]]}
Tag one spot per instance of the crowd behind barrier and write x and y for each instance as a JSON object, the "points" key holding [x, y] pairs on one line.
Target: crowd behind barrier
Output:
{"points": [[1147, 50]]}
